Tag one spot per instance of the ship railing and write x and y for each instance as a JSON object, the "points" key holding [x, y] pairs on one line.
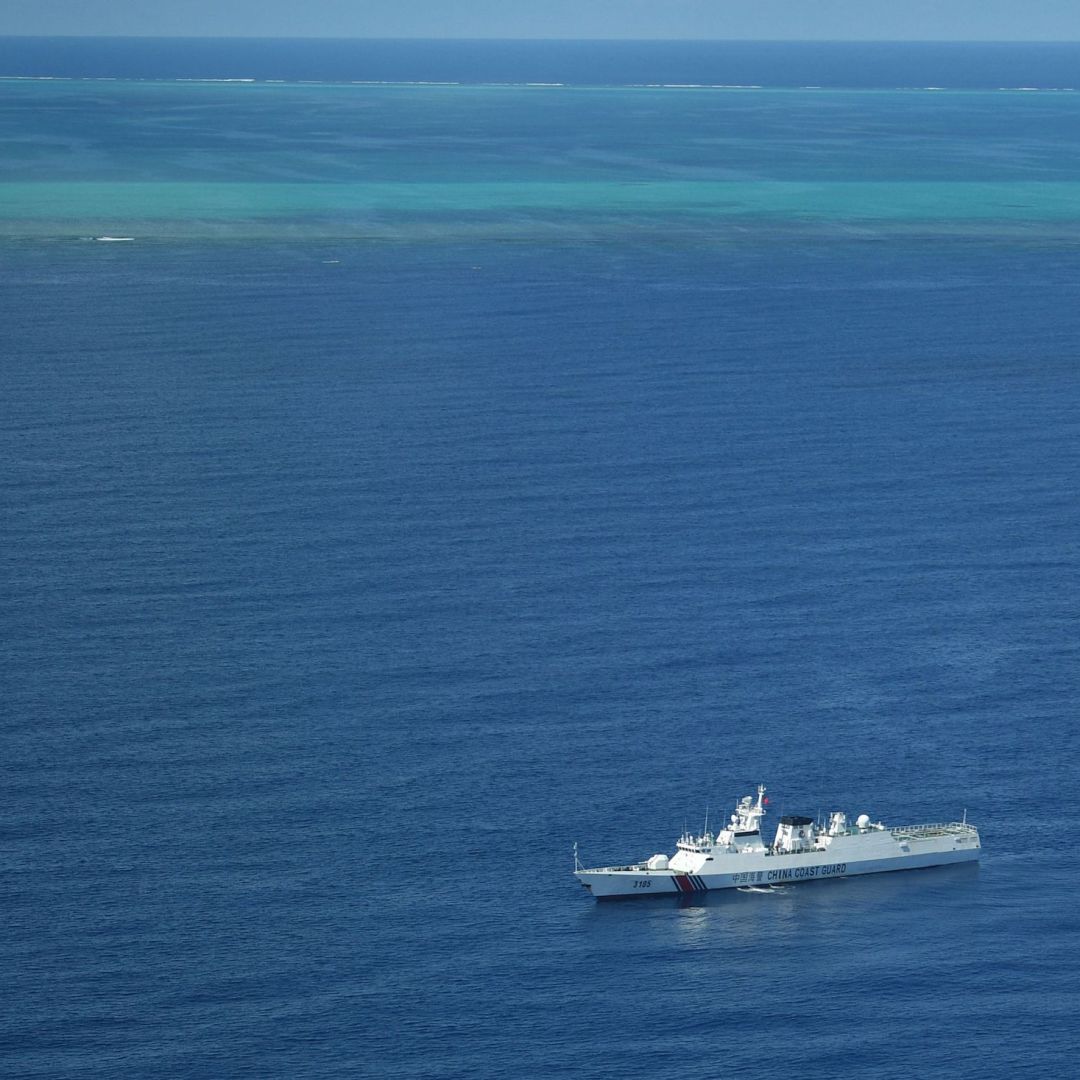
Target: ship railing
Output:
{"points": [[944, 828]]}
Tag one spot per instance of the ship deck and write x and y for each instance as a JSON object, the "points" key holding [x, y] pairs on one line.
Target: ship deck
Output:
{"points": [[927, 832]]}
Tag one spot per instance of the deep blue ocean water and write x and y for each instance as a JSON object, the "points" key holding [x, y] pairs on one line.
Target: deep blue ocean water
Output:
{"points": [[398, 508]]}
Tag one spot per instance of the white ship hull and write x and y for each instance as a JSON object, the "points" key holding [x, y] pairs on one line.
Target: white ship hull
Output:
{"points": [[766, 870], [703, 864]]}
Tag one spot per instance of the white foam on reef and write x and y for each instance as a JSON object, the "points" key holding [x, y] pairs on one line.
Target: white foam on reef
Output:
{"points": [[701, 86], [114, 239], [387, 82], [692, 86], [552, 85]]}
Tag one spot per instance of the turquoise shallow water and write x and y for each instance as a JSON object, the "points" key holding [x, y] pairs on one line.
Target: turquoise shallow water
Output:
{"points": [[240, 160]]}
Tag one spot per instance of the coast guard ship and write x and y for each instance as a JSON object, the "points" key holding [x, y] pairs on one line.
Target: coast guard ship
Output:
{"points": [[801, 850]]}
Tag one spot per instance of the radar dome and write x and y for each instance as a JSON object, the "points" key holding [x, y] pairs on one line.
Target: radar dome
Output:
{"points": [[862, 821]]}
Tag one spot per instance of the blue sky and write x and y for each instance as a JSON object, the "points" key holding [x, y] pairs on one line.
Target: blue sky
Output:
{"points": [[995, 20]]}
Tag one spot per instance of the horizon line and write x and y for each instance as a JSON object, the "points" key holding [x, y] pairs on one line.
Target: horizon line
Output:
{"points": [[581, 40]]}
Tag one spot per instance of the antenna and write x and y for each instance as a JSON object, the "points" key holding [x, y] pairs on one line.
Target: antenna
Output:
{"points": [[706, 817], [577, 861]]}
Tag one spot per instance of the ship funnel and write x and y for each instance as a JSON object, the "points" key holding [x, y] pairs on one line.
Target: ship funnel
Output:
{"points": [[794, 833]]}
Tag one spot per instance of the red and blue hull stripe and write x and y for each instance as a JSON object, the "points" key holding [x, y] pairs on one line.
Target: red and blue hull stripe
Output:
{"points": [[689, 883]]}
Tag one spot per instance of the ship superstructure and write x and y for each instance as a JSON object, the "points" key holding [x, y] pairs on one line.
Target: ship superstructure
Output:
{"points": [[802, 849]]}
